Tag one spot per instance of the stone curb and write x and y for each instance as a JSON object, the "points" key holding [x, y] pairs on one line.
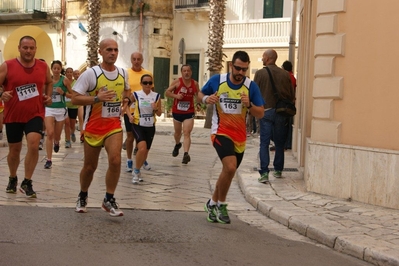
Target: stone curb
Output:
{"points": [[314, 226]]}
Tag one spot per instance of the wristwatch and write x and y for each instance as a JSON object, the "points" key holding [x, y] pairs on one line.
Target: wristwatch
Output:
{"points": [[96, 100], [250, 105]]}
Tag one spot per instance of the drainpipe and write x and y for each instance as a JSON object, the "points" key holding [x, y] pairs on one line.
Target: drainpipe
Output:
{"points": [[63, 5], [141, 4], [291, 52]]}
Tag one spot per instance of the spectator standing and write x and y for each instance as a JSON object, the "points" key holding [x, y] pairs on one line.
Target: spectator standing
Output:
{"points": [[272, 123], [287, 66]]}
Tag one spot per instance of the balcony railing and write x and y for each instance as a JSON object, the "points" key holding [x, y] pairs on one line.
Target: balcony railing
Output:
{"points": [[28, 6], [179, 4], [258, 33]]}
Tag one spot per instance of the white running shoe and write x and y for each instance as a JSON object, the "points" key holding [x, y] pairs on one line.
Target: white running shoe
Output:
{"points": [[136, 178], [112, 207], [146, 166], [81, 204]]}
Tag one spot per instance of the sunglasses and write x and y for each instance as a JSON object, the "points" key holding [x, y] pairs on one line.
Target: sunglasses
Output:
{"points": [[147, 82], [240, 68]]}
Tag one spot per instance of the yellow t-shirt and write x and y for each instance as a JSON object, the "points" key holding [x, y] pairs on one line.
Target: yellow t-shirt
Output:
{"points": [[134, 82]]}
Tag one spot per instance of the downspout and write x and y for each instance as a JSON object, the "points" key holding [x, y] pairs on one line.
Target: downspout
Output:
{"points": [[292, 44], [141, 5], [63, 4]]}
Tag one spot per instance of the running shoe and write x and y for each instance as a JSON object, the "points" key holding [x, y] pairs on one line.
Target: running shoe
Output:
{"points": [[12, 185], [73, 137], [40, 146], [222, 215], [112, 207], [186, 158], [176, 150], [135, 151], [56, 147], [81, 204], [136, 177], [68, 144], [129, 166], [26, 188], [124, 145], [277, 174], [146, 166], [211, 210], [48, 164], [264, 178]]}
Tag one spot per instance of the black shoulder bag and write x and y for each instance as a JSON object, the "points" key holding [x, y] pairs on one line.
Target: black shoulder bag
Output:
{"points": [[283, 106]]}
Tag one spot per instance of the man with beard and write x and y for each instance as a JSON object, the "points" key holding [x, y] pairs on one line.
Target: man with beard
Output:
{"points": [[231, 95]]}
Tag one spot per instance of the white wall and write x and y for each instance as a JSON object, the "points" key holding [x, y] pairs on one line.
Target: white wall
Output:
{"points": [[127, 39], [195, 34]]}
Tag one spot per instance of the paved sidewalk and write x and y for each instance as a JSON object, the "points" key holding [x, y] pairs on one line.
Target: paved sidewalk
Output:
{"points": [[364, 231], [367, 232]]}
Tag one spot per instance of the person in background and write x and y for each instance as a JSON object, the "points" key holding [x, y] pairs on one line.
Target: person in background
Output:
{"points": [[24, 110], [70, 121], [287, 66], [272, 123], [232, 95], [56, 112], [1, 114], [147, 105], [135, 73], [184, 91], [76, 74], [101, 89]]}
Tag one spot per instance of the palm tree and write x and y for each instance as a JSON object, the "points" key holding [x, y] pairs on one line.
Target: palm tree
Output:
{"points": [[94, 12], [215, 45]]}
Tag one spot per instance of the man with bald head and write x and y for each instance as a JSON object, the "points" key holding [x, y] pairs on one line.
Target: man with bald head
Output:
{"points": [[134, 73], [101, 89], [272, 123]]}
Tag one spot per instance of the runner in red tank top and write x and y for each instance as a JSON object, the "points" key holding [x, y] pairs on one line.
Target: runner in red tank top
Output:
{"points": [[183, 91], [27, 88]]}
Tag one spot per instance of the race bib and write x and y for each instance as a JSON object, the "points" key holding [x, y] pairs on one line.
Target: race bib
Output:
{"points": [[56, 98], [183, 106], [147, 120], [231, 106], [27, 91], [111, 109], [67, 99]]}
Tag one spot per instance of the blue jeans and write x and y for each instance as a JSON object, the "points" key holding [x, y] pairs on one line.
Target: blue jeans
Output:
{"points": [[275, 125]]}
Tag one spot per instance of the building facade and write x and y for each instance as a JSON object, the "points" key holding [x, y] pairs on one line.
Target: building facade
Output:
{"points": [[345, 134]]}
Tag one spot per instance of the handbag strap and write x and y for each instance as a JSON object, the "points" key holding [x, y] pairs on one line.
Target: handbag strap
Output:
{"points": [[273, 86]]}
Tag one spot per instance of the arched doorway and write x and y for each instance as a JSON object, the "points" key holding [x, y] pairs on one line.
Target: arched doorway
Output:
{"points": [[43, 42]]}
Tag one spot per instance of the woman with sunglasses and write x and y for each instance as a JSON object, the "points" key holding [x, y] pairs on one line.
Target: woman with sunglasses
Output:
{"points": [[148, 104]]}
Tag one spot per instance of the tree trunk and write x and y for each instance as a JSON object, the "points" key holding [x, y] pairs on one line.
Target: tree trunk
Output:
{"points": [[215, 46], [94, 12]]}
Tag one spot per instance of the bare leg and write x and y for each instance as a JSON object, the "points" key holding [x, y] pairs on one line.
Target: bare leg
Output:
{"points": [[187, 128], [225, 178], [32, 155], [113, 146]]}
